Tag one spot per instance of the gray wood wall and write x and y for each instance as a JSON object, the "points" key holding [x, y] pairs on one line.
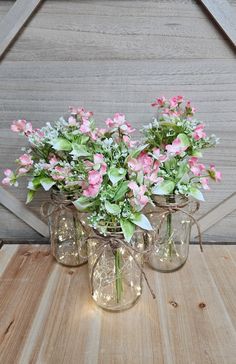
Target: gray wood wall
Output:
{"points": [[118, 56]]}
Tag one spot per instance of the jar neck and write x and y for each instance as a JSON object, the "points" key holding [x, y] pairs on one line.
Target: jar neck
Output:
{"points": [[111, 230], [61, 196], [171, 200]]}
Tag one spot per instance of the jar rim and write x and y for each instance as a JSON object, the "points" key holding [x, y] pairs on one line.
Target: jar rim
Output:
{"points": [[172, 200]]}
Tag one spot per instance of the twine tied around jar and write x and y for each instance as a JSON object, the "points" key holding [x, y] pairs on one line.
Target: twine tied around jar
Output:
{"points": [[174, 208], [114, 241], [48, 208]]}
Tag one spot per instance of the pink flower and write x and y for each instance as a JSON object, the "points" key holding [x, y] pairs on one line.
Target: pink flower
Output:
{"points": [[143, 163], [196, 168], [110, 123], [91, 190], [130, 143], [176, 147], [85, 126], [214, 174], [94, 177], [53, 160], [190, 110], [119, 119], [127, 128], [160, 157], [59, 173], [9, 175], [23, 170], [98, 158], [198, 132], [26, 160], [204, 182], [140, 200], [160, 102], [72, 121], [18, 126], [21, 126]]}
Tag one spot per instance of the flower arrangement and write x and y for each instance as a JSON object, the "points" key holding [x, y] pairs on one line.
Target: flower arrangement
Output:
{"points": [[175, 139]]}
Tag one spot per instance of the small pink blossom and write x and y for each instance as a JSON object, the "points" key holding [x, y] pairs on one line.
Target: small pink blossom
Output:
{"points": [[110, 123], [23, 170], [60, 173], [140, 199], [176, 147], [98, 158], [160, 102], [94, 177], [72, 121], [91, 190], [85, 126], [18, 126], [127, 128], [204, 182], [195, 167], [9, 175], [198, 132], [214, 174], [21, 126], [190, 110], [53, 160], [130, 143], [26, 160], [160, 157]]}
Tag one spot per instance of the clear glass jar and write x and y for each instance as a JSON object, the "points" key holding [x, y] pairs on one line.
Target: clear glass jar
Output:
{"points": [[169, 241], [115, 278], [67, 230]]}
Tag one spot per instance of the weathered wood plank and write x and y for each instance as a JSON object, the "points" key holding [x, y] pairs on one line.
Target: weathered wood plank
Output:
{"points": [[22, 284], [12, 23], [88, 30], [19, 209], [47, 315], [224, 15], [216, 214]]}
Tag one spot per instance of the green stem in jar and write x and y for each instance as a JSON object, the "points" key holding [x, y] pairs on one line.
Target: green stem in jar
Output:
{"points": [[119, 287]]}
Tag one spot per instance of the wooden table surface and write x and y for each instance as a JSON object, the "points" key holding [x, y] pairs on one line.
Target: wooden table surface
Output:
{"points": [[48, 317]]}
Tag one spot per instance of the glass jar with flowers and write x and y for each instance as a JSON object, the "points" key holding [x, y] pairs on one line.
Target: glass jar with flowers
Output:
{"points": [[114, 199], [175, 139], [54, 160]]}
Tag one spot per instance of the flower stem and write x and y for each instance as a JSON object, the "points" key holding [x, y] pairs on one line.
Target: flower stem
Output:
{"points": [[119, 287]]}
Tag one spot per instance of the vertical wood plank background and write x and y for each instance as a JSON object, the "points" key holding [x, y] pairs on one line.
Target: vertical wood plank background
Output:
{"points": [[118, 56]]}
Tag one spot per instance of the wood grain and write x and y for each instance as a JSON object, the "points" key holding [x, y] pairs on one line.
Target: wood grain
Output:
{"points": [[222, 12], [12, 23], [20, 210], [47, 315]]}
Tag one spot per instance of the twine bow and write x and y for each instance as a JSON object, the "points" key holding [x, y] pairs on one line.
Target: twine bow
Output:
{"points": [[114, 242], [48, 208], [173, 208]]}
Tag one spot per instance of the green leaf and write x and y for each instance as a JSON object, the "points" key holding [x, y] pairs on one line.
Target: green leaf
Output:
{"points": [[47, 183], [196, 193], [83, 203], [183, 168], [185, 142], [116, 174], [128, 229], [79, 150], [62, 144], [142, 221], [112, 208], [30, 196], [121, 191], [135, 153], [84, 139], [197, 153], [170, 164], [164, 188]]}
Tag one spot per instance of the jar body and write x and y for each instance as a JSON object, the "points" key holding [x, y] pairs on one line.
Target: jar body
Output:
{"points": [[67, 231], [169, 241], [115, 277]]}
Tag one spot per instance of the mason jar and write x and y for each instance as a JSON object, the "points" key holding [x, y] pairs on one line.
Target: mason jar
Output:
{"points": [[169, 241], [114, 269], [67, 230]]}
